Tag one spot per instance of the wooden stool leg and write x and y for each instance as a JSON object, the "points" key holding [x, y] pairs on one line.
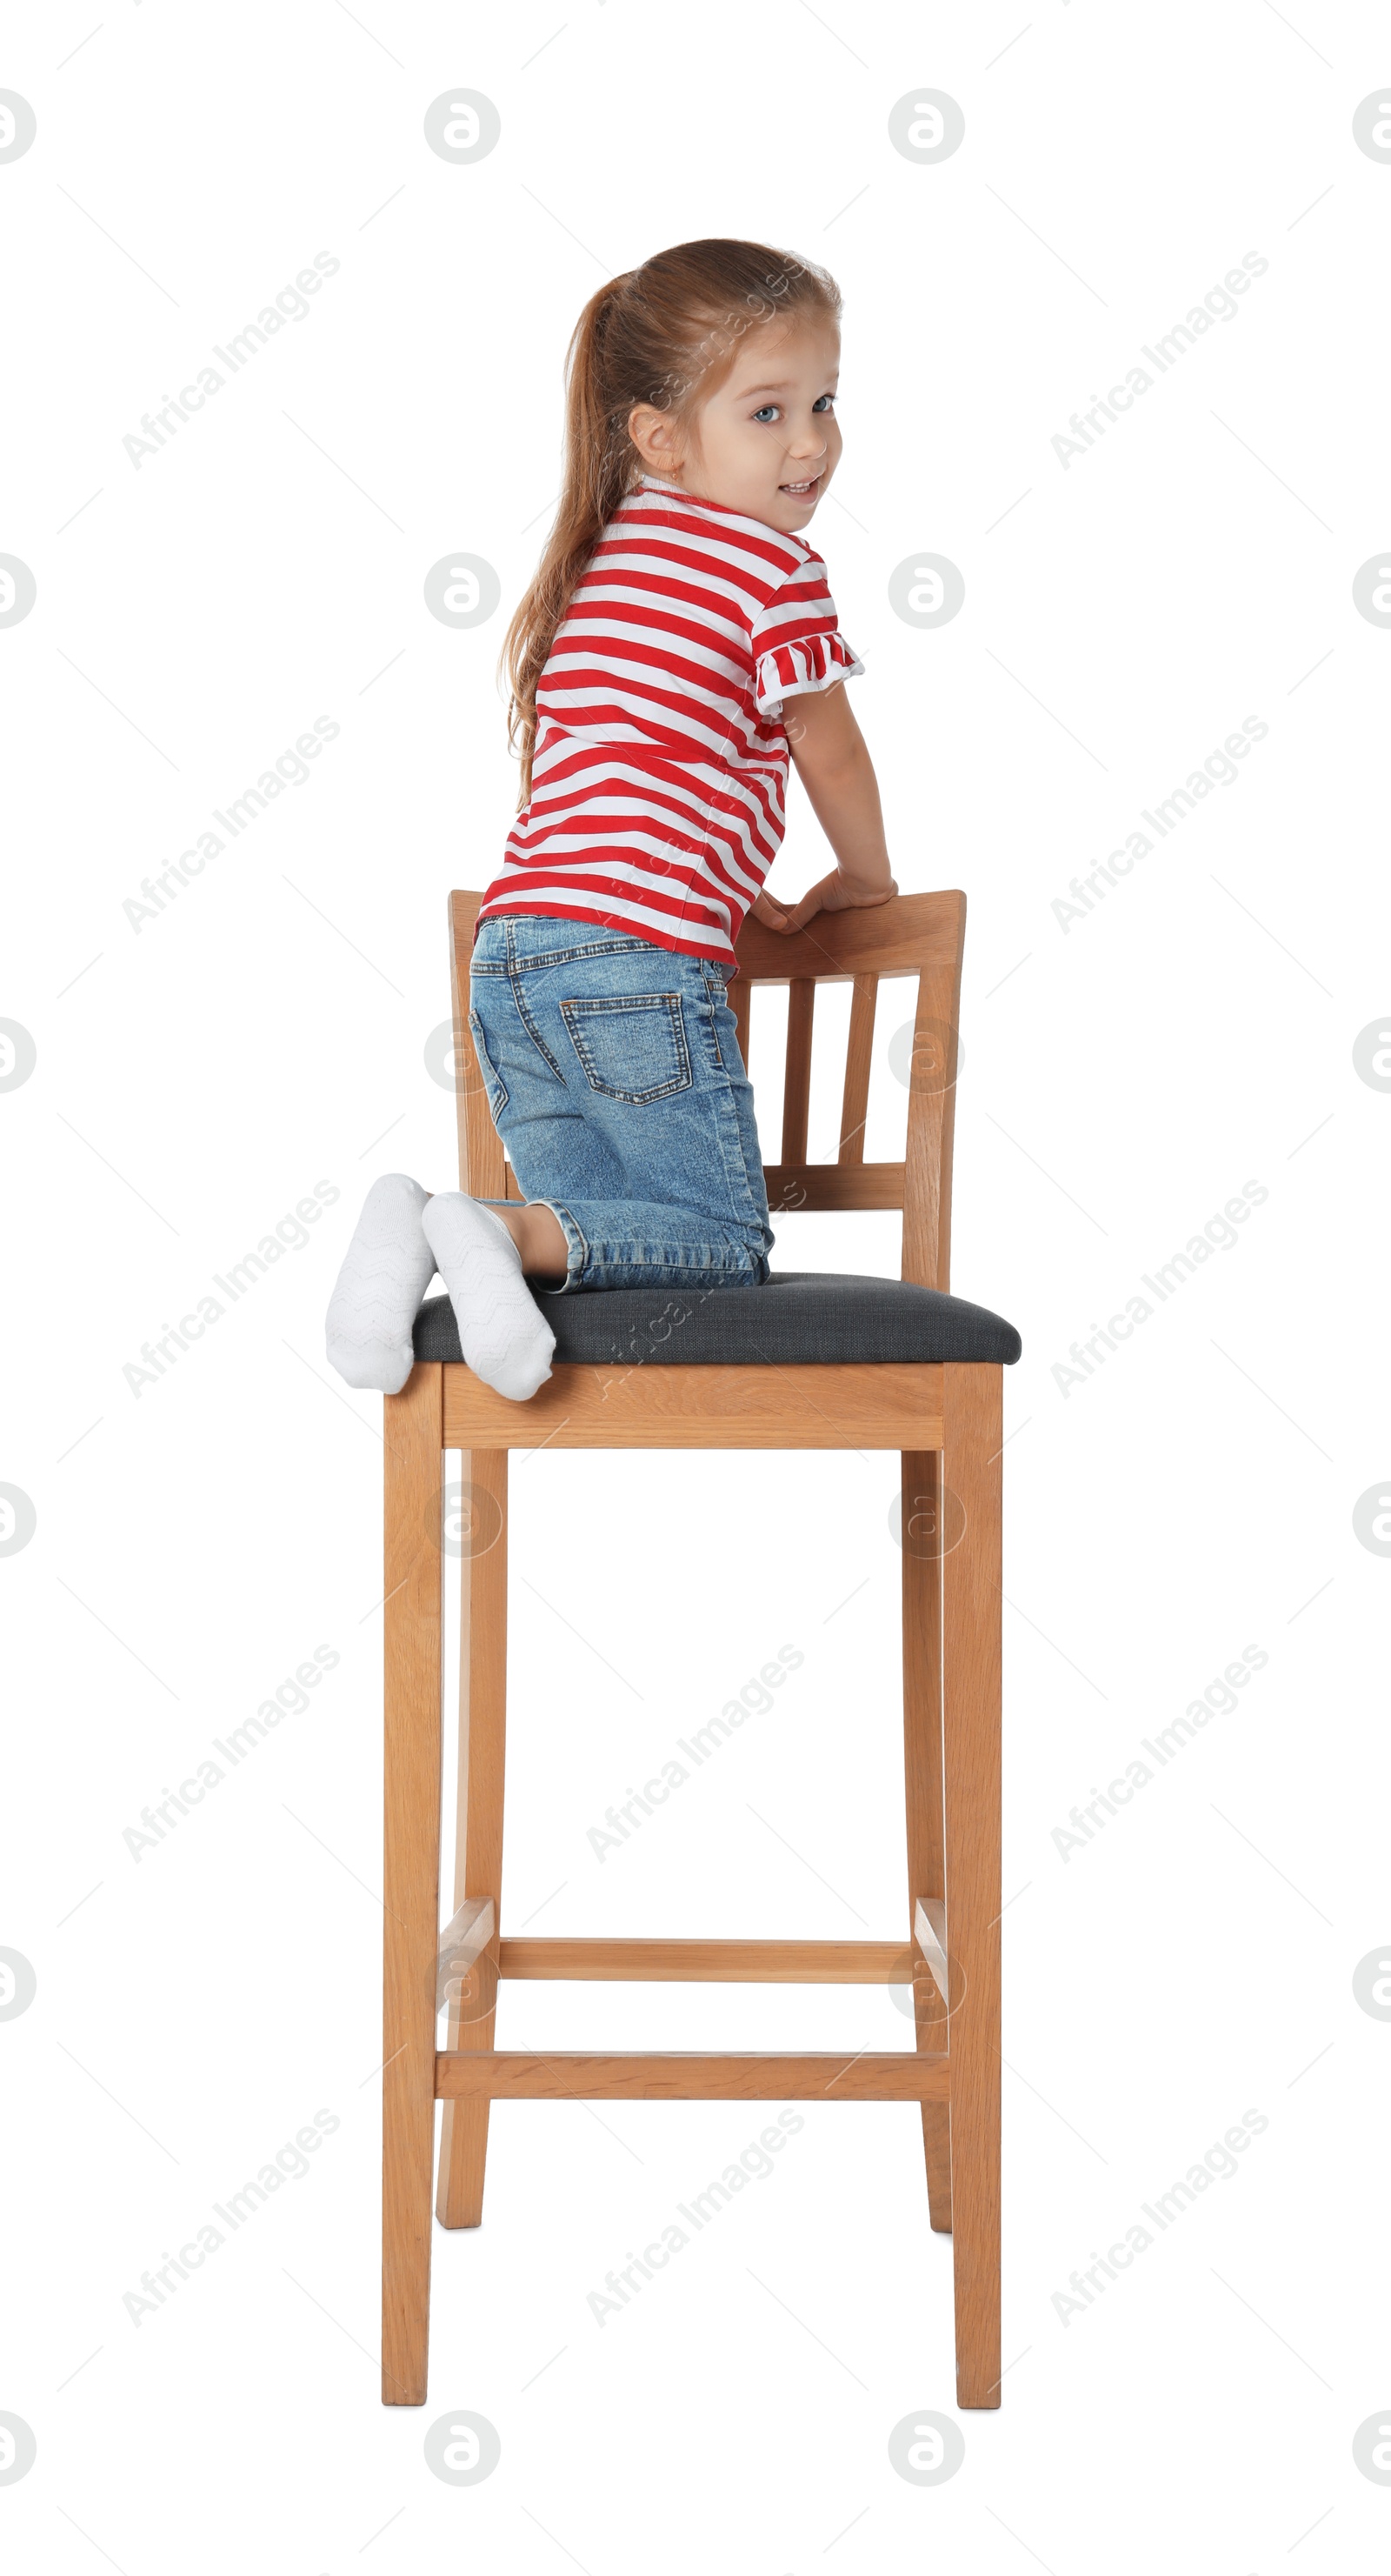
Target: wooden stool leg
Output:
{"points": [[971, 1571], [921, 1533], [478, 1846], [413, 1424]]}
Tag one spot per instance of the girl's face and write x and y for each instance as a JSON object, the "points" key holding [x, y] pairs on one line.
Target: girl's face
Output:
{"points": [[767, 442]]}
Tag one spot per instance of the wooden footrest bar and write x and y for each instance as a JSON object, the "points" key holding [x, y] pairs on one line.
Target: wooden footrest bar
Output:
{"points": [[876, 2075], [783, 1963]]}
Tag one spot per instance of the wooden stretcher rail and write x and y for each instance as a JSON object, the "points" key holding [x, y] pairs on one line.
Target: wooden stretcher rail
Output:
{"points": [[783, 1963], [514, 2075]]}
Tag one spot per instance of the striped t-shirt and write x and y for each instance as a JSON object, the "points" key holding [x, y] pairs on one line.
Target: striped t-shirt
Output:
{"points": [[660, 768]]}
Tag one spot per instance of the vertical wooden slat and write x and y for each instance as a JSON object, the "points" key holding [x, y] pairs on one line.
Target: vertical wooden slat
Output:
{"points": [[971, 1644], [478, 1845], [413, 1423], [801, 1001], [859, 1050], [931, 1122], [921, 1528]]}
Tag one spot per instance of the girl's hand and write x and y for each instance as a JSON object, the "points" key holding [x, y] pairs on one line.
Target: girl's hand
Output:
{"points": [[832, 894]]}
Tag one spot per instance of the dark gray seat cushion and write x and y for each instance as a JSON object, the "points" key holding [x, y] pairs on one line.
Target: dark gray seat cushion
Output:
{"points": [[796, 1316]]}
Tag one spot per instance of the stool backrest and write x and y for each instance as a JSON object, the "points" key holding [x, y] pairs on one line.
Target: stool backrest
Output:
{"points": [[913, 934]]}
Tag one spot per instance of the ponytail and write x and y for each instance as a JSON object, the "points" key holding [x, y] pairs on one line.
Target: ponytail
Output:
{"points": [[598, 463]]}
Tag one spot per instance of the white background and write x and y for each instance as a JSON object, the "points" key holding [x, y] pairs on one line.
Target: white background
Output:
{"points": [[1124, 1077]]}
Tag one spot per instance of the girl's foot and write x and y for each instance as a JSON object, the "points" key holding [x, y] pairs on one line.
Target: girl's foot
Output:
{"points": [[504, 1337], [387, 1269]]}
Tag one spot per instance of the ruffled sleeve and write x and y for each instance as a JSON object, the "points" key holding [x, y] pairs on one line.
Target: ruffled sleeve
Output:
{"points": [[797, 644], [792, 670]]}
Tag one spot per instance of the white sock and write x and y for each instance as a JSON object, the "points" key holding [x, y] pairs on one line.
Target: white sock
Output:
{"points": [[387, 1269], [503, 1335]]}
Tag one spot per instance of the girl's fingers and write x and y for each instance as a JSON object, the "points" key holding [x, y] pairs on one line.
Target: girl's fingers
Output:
{"points": [[829, 896]]}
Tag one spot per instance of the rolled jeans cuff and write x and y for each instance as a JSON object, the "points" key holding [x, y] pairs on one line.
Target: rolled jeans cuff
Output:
{"points": [[576, 1248]]}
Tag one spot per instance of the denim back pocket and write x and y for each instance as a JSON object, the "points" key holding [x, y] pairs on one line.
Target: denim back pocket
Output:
{"points": [[632, 1047]]}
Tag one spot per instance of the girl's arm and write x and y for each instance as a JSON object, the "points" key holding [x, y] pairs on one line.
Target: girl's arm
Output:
{"points": [[835, 768]]}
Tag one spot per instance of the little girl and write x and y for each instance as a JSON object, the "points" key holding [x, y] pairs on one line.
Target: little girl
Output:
{"points": [[678, 609]]}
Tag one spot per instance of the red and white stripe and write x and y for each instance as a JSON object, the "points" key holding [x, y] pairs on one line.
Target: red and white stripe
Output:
{"points": [[660, 772]]}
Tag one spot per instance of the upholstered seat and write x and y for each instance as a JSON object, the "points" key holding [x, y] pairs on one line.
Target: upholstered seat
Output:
{"points": [[796, 1317]]}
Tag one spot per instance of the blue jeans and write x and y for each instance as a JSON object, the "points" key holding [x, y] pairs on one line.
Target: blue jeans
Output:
{"points": [[614, 1079]]}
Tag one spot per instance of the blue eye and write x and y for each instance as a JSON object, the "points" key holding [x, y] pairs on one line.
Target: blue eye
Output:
{"points": [[766, 411]]}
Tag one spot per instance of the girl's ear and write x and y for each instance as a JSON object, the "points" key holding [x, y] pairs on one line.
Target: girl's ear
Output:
{"points": [[653, 434]]}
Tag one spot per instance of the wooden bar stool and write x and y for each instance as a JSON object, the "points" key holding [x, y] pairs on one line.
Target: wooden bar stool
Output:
{"points": [[763, 1368]]}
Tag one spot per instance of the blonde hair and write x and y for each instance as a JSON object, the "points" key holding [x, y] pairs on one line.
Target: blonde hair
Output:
{"points": [[666, 334]]}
